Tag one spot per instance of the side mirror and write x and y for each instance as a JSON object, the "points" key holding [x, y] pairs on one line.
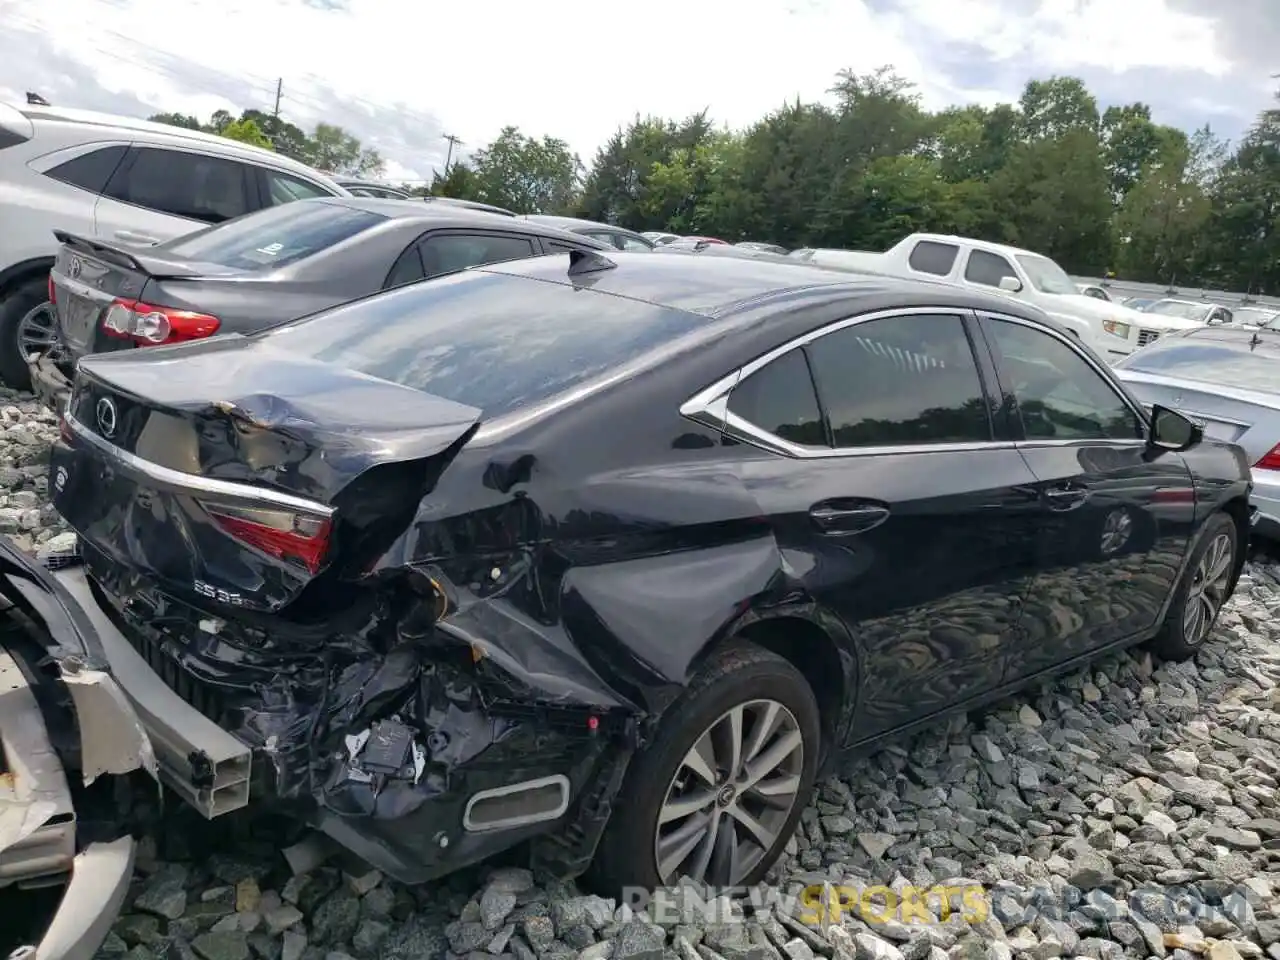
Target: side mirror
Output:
{"points": [[1171, 430], [1011, 284]]}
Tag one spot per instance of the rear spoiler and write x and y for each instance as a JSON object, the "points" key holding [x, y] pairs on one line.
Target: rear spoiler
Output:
{"points": [[137, 260]]}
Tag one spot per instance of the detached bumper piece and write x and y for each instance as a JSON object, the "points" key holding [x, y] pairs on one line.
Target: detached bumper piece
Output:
{"points": [[48, 383], [38, 833]]}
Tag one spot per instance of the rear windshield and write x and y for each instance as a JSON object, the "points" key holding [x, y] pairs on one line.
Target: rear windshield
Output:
{"points": [[275, 236], [491, 341], [1203, 357]]}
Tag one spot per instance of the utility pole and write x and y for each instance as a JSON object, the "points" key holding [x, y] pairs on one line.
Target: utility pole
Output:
{"points": [[279, 87], [453, 142]]}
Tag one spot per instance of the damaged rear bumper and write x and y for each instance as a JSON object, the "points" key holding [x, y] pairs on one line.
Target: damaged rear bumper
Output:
{"points": [[50, 385], [396, 756], [39, 845]]}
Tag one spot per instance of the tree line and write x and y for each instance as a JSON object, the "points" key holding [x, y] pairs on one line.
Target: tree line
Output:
{"points": [[1099, 190]]}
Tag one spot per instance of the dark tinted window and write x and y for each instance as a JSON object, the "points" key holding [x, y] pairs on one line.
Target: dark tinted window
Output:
{"points": [[456, 251], [191, 185], [1060, 396], [275, 236], [900, 380], [987, 268], [89, 171], [932, 257], [491, 341], [779, 398], [1218, 357], [282, 188], [407, 268]]}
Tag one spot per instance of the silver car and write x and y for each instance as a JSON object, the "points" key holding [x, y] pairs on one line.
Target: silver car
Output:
{"points": [[1228, 379]]}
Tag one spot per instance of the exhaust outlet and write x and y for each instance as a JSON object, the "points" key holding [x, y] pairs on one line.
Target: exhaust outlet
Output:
{"points": [[517, 804]]}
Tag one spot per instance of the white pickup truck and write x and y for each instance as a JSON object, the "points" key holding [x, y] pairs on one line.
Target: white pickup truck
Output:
{"points": [[1112, 330]]}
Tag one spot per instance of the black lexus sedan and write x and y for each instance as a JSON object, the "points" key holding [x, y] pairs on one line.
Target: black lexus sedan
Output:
{"points": [[265, 267], [615, 552]]}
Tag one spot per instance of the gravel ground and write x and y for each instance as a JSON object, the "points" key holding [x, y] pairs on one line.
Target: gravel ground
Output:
{"points": [[1130, 810]]}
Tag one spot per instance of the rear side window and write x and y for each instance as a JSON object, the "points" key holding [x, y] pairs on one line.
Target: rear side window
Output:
{"points": [[488, 340], [779, 399], [89, 171], [194, 186], [901, 381], [932, 257], [276, 236], [456, 251], [407, 268]]}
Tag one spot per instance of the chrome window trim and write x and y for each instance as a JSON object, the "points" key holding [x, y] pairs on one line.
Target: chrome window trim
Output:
{"points": [[710, 405], [1102, 371], [195, 482]]}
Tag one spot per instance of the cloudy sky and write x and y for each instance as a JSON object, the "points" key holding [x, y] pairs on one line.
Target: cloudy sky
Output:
{"points": [[401, 74]]}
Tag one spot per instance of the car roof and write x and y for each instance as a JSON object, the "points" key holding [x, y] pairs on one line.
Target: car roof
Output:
{"points": [[451, 215], [165, 132], [719, 286], [569, 223]]}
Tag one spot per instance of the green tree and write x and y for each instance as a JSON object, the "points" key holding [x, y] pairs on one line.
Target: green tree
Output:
{"points": [[334, 150], [527, 175], [176, 120], [246, 131]]}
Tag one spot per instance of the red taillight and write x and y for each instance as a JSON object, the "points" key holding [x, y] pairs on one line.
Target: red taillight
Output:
{"points": [[283, 534], [148, 325], [52, 297], [1270, 460]]}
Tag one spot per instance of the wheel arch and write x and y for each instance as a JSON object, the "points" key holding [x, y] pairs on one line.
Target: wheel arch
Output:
{"points": [[1237, 508], [23, 271]]}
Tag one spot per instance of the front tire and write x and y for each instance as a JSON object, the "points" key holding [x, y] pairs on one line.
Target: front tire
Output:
{"points": [[719, 791], [16, 331], [1202, 591]]}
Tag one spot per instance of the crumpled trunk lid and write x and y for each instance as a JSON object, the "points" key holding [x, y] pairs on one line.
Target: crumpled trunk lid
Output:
{"points": [[164, 456]]}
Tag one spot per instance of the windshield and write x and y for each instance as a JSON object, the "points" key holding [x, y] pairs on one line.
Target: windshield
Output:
{"points": [[1207, 357], [1179, 308], [1046, 276], [275, 236]]}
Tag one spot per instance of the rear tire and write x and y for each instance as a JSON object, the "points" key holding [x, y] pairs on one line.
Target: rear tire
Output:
{"points": [[756, 692], [1202, 591], [20, 301]]}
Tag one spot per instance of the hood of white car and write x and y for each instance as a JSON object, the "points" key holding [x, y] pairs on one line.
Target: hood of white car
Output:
{"points": [[1091, 307]]}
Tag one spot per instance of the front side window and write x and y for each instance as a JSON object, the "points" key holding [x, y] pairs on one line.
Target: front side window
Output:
{"points": [[631, 243], [932, 257], [457, 251], [901, 381], [987, 269], [194, 186], [1060, 395], [1047, 277], [779, 399]]}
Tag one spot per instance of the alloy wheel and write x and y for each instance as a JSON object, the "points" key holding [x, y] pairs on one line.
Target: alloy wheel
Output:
{"points": [[731, 796], [1208, 590], [37, 332]]}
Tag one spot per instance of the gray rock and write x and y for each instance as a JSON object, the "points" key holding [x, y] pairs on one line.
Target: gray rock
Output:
{"points": [[223, 945], [164, 894], [496, 904], [335, 920], [1233, 838], [639, 940]]}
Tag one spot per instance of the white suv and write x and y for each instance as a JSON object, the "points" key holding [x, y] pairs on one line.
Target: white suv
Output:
{"points": [[117, 180]]}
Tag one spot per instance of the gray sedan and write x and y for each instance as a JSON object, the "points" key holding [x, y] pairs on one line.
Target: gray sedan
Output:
{"points": [[1228, 379]]}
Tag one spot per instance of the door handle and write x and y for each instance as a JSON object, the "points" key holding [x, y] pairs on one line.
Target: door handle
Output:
{"points": [[129, 236], [841, 518], [1066, 497]]}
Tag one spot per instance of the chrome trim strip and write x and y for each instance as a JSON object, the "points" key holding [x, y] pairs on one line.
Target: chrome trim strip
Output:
{"points": [[710, 406], [519, 820], [192, 481]]}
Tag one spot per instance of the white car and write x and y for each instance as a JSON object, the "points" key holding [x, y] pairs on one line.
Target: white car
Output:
{"points": [[119, 180], [1093, 290], [1198, 311]]}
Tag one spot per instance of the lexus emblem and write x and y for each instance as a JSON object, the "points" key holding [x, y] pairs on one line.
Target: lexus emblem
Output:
{"points": [[74, 267], [106, 413]]}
